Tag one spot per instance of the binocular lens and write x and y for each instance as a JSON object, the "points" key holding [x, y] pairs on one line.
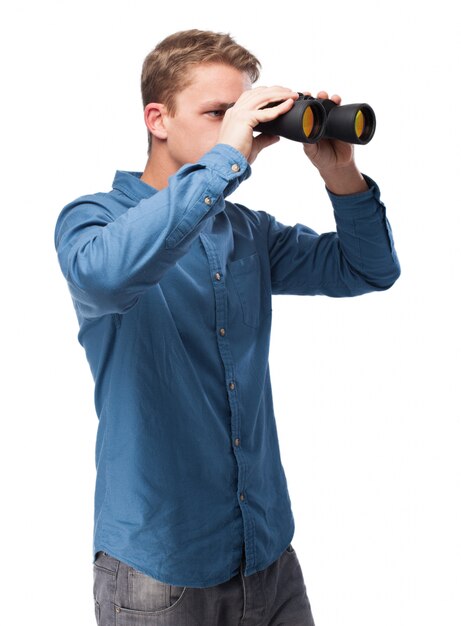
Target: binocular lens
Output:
{"points": [[308, 121], [359, 124], [313, 121]]}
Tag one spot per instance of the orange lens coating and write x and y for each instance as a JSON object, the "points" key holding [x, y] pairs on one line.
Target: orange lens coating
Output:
{"points": [[359, 123], [308, 121]]}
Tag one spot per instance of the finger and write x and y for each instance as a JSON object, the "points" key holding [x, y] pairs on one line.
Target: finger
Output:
{"points": [[262, 141], [336, 99], [324, 95], [259, 143], [262, 96], [279, 88], [270, 113], [311, 149]]}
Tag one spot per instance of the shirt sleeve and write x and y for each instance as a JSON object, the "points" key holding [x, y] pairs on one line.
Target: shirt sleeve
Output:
{"points": [[110, 257], [358, 258]]}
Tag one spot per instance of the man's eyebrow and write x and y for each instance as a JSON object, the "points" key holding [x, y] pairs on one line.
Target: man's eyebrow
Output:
{"points": [[215, 104]]}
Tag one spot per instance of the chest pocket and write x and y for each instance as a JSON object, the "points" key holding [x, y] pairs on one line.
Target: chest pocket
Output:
{"points": [[246, 276]]}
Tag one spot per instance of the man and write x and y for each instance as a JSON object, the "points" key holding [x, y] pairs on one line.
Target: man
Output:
{"points": [[172, 287]]}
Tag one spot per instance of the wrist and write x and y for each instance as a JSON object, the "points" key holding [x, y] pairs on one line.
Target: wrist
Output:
{"points": [[344, 181]]}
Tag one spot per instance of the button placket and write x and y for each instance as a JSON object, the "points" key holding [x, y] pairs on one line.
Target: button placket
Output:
{"points": [[222, 333]]}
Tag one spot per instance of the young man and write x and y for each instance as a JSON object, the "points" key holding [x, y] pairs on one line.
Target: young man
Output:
{"points": [[172, 287]]}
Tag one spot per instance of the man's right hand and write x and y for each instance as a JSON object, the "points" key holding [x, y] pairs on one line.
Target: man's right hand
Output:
{"points": [[239, 121]]}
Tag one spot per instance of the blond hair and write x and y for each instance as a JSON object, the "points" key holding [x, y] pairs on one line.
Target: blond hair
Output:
{"points": [[166, 70]]}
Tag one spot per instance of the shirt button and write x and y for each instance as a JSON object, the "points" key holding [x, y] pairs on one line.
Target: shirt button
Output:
{"points": [[235, 167], [232, 386], [222, 332], [242, 497], [237, 442], [208, 200], [217, 276]]}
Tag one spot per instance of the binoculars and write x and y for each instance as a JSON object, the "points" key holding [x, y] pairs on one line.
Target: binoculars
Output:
{"points": [[311, 119]]}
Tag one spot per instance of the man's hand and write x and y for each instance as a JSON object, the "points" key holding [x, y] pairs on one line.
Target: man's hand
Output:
{"points": [[239, 121], [335, 161]]}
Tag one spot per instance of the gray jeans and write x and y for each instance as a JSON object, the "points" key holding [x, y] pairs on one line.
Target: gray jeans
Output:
{"points": [[273, 597]]}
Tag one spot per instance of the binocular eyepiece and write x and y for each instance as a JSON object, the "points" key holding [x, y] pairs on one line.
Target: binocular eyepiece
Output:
{"points": [[311, 119]]}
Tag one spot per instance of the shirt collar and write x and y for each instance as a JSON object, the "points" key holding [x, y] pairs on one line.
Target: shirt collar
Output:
{"points": [[130, 184]]}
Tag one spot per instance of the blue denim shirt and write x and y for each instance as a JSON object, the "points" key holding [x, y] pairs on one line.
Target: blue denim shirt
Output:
{"points": [[172, 291]]}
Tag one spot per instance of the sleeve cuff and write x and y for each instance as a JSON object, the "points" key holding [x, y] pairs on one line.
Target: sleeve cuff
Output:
{"points": [[227, 162], [361, 203]]}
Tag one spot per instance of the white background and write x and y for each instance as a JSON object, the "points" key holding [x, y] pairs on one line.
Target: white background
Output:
{"points": [[366, 390]]}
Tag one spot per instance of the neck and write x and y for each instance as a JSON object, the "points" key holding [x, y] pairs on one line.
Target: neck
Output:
{"points": [[159, 168]]}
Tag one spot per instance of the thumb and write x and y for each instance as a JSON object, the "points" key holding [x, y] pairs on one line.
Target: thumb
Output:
{"points": [[262, 141]]}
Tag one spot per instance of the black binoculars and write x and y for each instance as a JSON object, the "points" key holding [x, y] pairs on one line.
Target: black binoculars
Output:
{"points": [[311, 119]]}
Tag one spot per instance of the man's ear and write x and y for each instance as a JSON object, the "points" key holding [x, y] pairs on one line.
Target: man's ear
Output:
{"points": [[154, 118]]}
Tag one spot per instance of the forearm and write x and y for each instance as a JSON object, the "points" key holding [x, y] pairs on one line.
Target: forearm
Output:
{"points": [[110, 260], [344, 181], [365, 236], [358, 258]]}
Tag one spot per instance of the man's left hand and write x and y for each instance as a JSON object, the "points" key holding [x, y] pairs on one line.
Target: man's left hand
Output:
{"points": [[335, 161]]}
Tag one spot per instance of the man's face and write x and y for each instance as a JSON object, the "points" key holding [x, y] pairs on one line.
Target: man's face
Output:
{"points": [[200, 108]]}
